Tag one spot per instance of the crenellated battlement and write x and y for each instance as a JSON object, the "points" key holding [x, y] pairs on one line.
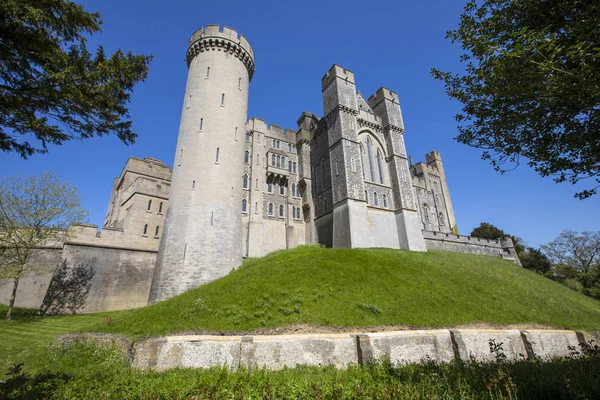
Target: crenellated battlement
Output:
{"points": [[383, 94], [337, 72], [221, 38], [271, 130]]}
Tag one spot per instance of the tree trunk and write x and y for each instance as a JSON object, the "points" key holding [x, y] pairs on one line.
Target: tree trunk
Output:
{"points": [[11, 303]]}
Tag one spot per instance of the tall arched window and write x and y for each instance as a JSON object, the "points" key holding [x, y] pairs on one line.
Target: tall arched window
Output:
{"points": [[149, 204], [270, 208], [244, 205], [246, 157], [290, 166], [379, 167], [269, 186], [426, 213], [384, 201], [281, 210], [293, 189], [369, 145], [375, 198], [245, 181], [294, 167], [278, 161], [145, 229]]}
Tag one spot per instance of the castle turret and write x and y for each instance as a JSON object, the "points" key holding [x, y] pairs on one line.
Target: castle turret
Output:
{"points": [[202, 239], [434, 160], [386, 105]]}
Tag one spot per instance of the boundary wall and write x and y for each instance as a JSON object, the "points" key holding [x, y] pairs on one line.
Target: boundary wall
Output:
{"points": [[338, 350], [502, 248]]}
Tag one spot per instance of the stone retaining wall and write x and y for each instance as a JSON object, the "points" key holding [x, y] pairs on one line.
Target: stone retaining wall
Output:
{"points": [[339, 350]]}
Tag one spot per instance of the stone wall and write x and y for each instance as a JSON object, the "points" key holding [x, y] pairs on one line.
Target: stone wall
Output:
{"points": [[338, 350], [503, 248]]}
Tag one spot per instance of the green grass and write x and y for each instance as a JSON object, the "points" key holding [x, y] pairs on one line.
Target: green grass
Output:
{"points": [[26, 338], [365, 287]]}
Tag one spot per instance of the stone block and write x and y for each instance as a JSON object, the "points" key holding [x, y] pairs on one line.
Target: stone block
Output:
{"points": [[276, 352], [405, 347], [474, 344], [546, 344]]}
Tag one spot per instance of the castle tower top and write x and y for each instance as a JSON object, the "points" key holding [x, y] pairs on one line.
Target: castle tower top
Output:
{"points": [[221, 38], [339, 72]]}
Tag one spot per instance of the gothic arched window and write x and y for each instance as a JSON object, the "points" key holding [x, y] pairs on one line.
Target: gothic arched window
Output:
{"points": [[246, 157], [281, 211], [369, 146], [244, 205], [375, 198], [245, 181], [294, 167], [379, 166], [270, 208], [426, 213], [290, 166], [293, 189]]}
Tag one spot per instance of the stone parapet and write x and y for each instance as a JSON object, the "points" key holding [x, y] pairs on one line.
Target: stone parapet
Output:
{"points": [[338, 350], [502, 248]]}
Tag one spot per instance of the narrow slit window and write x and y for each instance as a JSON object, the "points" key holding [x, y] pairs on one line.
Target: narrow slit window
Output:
{"points": [[217, 156], [235, 134], [273, 158], [207, 72], [375, 198], [281, 211], [246, 157], [193, 185], [367, 197], [245, 182], [270, 208], [160, 207], [294, 167], [239, 83], [255, 207], [244, 205], [149, 205], [222, 99], [201, 123], [290, 166], [384, 201], [145, 229], [156, 231]]}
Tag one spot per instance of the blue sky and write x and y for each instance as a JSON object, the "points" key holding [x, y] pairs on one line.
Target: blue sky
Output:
{"points": [[385, 43]]}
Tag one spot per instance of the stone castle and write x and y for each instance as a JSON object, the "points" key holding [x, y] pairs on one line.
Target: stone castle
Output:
{"points": [[242, 188]]}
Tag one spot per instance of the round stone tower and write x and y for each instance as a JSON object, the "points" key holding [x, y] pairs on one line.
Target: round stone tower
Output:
{"points": [[202, 236]]}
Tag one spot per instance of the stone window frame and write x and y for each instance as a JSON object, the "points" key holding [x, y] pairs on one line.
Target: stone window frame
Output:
{"points": [[270, 210], [245, 181], [281, 211], [385, 204], [246, 157], [244, 206]]}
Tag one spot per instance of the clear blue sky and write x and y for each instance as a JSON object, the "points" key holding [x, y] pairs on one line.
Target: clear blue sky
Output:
{"points": [[385, 43]]}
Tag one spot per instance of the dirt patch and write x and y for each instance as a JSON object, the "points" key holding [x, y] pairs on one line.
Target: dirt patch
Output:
{"points": [[307, 328]]}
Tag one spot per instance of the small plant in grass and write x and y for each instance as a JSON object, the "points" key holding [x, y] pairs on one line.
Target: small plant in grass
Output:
{"points": [[372, 308], [317, 295], [498, 351]]}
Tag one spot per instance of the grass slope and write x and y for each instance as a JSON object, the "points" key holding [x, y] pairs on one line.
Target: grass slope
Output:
{"points": [[26, 338], [365, 287]]}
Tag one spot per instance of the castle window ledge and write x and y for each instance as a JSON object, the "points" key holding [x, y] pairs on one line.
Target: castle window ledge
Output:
{"points": [[149, 212], [145, 236], [277, 171], [156, 237]]}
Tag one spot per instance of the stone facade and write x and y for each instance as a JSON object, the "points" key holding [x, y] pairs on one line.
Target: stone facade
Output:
{"points": [[242, 188]]}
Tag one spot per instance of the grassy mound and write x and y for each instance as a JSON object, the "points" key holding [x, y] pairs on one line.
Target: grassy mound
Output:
{"points": [[365, 287]]}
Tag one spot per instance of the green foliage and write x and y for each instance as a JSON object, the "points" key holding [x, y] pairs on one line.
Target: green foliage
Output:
{"points": [[35, 211], [534, 260], [486, 230], [86, 372], [51, 88], [312, 285], [575, 259], [530, 91]]}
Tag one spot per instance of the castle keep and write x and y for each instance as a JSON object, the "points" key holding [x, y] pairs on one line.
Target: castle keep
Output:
{"points": [[240, 188]]}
